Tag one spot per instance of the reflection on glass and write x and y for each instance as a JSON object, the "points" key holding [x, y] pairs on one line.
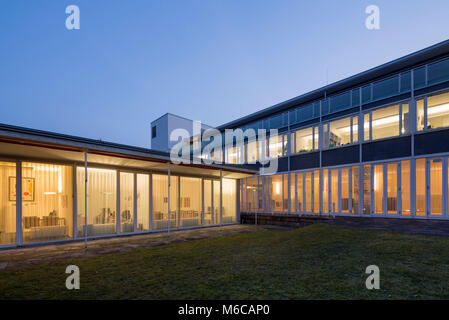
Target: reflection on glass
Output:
{"points": [[345, 190], [8, 203], [334, 191], [385, 122], [378, 185], [405, 187], [436, 187], [355, 190], [420, 187], [316, 191], [367, 189], [438, 111], [392, 188]]}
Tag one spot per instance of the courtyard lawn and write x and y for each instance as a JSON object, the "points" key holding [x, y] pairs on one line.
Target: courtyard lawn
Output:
{"points": [[314, 262]]}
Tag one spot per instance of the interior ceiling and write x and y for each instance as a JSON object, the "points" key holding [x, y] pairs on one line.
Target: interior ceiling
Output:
{"points": [[24, 152]]}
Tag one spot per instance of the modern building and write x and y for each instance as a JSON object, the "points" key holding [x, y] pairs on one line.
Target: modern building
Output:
{"points": [[150, 193], [372, 145]]}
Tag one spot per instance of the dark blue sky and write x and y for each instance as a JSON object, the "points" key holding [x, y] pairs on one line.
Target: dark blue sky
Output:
{"points": [[209, 60]]}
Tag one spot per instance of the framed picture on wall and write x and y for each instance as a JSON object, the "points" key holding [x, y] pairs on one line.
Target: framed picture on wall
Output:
{"points": [[27, 189]]}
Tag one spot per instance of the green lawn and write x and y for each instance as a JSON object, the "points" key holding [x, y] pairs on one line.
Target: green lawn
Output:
{"points": [[315, 262]]}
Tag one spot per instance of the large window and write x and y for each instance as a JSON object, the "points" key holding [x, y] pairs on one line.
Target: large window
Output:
{"points": [[405, 188], [378, 184], [101, 201], [341, 132], [191, 202], [300, 192], [334, 191], [276, 198], [436, 186], [433, 112], [308, 188], [326, 191], [160, 201], [229, 200], [386, 122], [292, 192], [316, 191], [355, 190], [277, 146], [367, 189], [392, 188], [143, 202], [47, 202], [126, 202], [345, 190], [420, 187], [304, 140], [251, 194], [8, 203], [251, 152]]}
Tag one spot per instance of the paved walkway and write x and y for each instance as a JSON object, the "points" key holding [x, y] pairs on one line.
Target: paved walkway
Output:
{"points": [[22, 257]]}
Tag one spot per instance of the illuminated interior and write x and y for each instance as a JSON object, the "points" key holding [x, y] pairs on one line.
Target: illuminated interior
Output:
{"points": [[47, 203], [8, 203]]}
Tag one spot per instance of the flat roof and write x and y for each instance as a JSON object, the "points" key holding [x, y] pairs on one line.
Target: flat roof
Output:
{"points": [[383, 70], [17, 141]]}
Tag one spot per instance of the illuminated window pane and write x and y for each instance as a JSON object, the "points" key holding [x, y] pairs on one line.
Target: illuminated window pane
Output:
{"points": [[251, 152], [316, 191], [392, 188], [405, 119], [251, 194], [366, 126], [355, 190], [276, 193], [101, 201], [207, 202], [420, 115], [275, 147], [405, 187], [367, 189], [160, 201], [229, 187], [47, 201], [436, 187], [292, 192], [191, 202], [304, 140], [285, 193], [378, 188], [143, 202], [345, 190], [8, 203], [126, 202], [308, 186], [326, 191], [355, 129], [340, 132], [438, 111], [334, 191], [385, 122], [420, 187], [316, 138], [300, 193]]}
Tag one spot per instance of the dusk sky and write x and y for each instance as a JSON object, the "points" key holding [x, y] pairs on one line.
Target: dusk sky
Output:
{"points": [[209, 60]]}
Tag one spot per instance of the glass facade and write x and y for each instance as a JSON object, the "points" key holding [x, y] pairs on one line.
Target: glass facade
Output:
{"points": [[8, 203]]}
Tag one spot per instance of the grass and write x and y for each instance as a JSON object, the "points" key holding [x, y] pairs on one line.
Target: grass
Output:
{"points": [[315, 262]]}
